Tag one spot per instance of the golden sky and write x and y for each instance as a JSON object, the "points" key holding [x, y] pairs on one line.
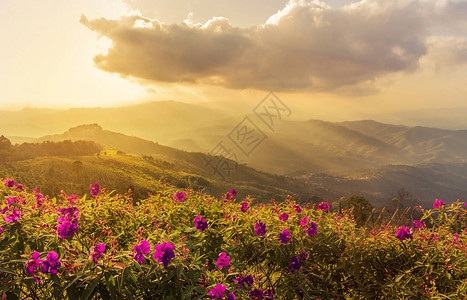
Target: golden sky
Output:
{"points": [[369, 55]]}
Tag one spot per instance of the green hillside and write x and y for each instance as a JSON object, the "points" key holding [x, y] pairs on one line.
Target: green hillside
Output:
{"points": [[120, 171]]}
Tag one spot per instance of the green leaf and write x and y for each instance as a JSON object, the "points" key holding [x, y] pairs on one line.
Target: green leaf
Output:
{"points": [[111, 284], [90, 288], [8, 270]]}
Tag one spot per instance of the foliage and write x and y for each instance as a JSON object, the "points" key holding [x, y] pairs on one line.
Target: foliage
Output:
{"points": [[65, 148], [108, 257]]}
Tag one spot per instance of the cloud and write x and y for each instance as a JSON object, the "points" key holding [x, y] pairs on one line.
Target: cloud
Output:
{"points": [[446, 52], [304, 47]]}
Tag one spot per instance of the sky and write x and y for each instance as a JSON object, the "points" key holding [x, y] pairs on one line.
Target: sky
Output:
{"points": [[349, 56]]}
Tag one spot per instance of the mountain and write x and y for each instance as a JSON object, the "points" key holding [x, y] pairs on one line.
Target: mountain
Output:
{"points": [[419, 144], [161, 121], [424, 182], [127, 156], [367, 157], [445, 118]]}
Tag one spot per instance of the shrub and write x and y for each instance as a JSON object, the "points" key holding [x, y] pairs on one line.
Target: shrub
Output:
{"points": [[203, 247]]}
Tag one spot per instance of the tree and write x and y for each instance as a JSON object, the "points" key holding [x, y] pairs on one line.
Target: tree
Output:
{"points": [[361, 208], [5, 143], [5, 148], [403, 202], [402, 199]]}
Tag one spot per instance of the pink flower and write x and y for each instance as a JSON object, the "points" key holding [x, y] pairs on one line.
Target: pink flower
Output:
{"points": [[9, 183], [244, 206], [231, 194], [13, 216], [200, 223], [223, 261], [260, 228], [456, 238], [297, 208], [285, 236], [164, 253], [438, 204], [284, 217], [404, 233], [95, 188], [33, 265], [418, 224], [97, 252], [304, 222], [312, 230], [217, 292], [51, 263], [141, 250], [323, 206], [180, 196]]}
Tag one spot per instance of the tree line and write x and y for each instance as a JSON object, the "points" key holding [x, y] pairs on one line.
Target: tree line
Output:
{"points": [[24, 151]]}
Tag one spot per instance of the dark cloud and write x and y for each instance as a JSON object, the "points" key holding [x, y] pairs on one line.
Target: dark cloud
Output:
{"points": [[305, 46]]}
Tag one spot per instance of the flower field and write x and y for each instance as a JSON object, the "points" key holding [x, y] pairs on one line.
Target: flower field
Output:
{"points": [[181, 244]]}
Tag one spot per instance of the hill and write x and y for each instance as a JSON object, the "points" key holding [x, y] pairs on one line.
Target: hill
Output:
{"points": [[144, 170]]}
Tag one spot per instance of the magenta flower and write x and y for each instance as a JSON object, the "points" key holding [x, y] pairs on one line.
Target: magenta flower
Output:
{"points": [[297, 208], [200, 223], [164, 253], [456, 238], [231, 194], [33, 265], [304, 222], [223, 261], [141, 250], [285, 236], [70, 214], [323, 206], [294, 264], [438, 204], [258, 294], [19, 187], [284, 217], [418, 224], [12, 200], [95, 188], [217, 292], [303, 256], [231, 296], [51, 263], [68, 222], [312, 230], [13, 217], [97, 252], [260, 228], [240, 280], [9, 183], [72, 199], [244, 206], [66, 229], [39, 198], [180, 196], [404, 233]]}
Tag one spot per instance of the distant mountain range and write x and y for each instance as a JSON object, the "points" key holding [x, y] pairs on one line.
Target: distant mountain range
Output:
{"points": [[319, 158]]}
